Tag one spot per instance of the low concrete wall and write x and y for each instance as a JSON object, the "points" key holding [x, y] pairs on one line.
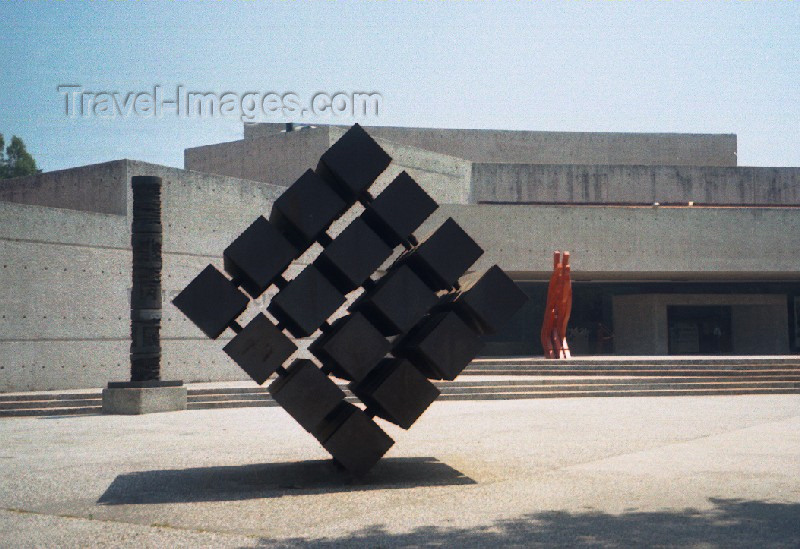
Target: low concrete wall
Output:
{"points": [[537, 147], [759, 323], [95, 188], [634, 184]]}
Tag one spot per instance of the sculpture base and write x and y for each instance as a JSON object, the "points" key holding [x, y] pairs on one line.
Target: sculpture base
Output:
{"points": [[144, 397]]}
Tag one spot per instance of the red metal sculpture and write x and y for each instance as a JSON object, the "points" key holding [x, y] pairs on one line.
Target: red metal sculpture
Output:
{"points": [[558, 308]]}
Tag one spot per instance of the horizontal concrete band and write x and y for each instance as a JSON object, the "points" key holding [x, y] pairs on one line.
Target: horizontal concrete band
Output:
{"points": [[281, 158], [581, 184], [543, 147], [669, 243]]}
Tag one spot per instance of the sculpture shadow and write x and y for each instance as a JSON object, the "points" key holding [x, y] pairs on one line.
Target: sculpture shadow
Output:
{"points": [[730, 523], [270, 480]]}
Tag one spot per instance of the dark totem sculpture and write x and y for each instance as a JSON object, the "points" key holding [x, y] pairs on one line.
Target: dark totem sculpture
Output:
{"points": [[415, 323], [146, 289]]}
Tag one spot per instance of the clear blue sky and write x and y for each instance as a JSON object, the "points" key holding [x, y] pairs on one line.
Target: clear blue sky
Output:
{"points": [[597, 65]]}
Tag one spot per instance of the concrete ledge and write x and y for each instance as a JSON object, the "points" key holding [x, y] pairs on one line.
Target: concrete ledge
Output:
{"points": [[143, 400]]}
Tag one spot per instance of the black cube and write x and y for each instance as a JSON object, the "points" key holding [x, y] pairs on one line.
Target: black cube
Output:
{"points": [[397, 302], [306, 302], [258, 256], [488, 301], [396, 391], [399, 210], [353, 163], [260, 348], [307, 394], [444, 256], [441, 347], [305, 210], [353, 439], [353, 256], [351, 348], [211, 301]]}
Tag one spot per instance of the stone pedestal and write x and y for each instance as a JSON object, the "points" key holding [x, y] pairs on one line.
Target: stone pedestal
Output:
{"points": [[144, 397]]}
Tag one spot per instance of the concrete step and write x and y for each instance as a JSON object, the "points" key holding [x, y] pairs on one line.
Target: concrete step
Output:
{"points": [[625, 393], [484, 380], [511, 389], [256, 403], [250, 396], [643, 370], [562, 393], [54, 395], [32, 404], [57, 411], [245, 393], [671, 361]]}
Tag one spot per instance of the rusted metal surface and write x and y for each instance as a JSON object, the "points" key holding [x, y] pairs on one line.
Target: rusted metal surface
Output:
{"points": [[557, 309]]}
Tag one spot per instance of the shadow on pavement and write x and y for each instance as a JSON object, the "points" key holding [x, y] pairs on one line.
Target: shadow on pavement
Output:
{"points": [[731, 523], [231, 483]]}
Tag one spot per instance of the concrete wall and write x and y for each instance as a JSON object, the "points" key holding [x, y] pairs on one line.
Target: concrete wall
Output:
{"points": [[201, 214], [65, 278], [529, 147], [760, 328], [280, 158], [759, 323], [277, 158], [66, 273], [446, 178], [634, 243], [93, 188], [634, 184]]}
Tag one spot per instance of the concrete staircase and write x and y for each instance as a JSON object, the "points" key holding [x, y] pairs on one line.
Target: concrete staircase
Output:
{"points": [[493, 379]]}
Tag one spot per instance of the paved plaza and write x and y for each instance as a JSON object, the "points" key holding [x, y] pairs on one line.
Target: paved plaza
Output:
{"points": [[603, 472]]}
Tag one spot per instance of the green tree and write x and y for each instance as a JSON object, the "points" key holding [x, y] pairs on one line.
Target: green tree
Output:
{"points": [[16, 161]]}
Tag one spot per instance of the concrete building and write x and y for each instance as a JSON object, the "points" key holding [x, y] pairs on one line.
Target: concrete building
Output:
{"points": [[676, 249]]}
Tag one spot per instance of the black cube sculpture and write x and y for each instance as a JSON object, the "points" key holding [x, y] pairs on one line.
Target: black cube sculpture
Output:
{"points": [[396, 391], [355, 254], [351, 348], [307, 394], [260, 349], [420, 320], [306, 302], [258, 257]]}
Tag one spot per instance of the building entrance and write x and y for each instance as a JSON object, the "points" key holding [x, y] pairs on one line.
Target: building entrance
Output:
{"points": [[699, 330]]}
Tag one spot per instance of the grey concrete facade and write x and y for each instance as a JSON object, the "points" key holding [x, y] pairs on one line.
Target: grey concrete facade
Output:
{"points": [[76, 263], [634, 243], [95, 188], [759, 322], [65, 239], [476, 166], [617, 184], [65, 279], [279, 158], [532, 147]]}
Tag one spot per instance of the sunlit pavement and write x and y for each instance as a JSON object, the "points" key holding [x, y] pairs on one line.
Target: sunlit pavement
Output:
{"points": [[713, 471]]}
